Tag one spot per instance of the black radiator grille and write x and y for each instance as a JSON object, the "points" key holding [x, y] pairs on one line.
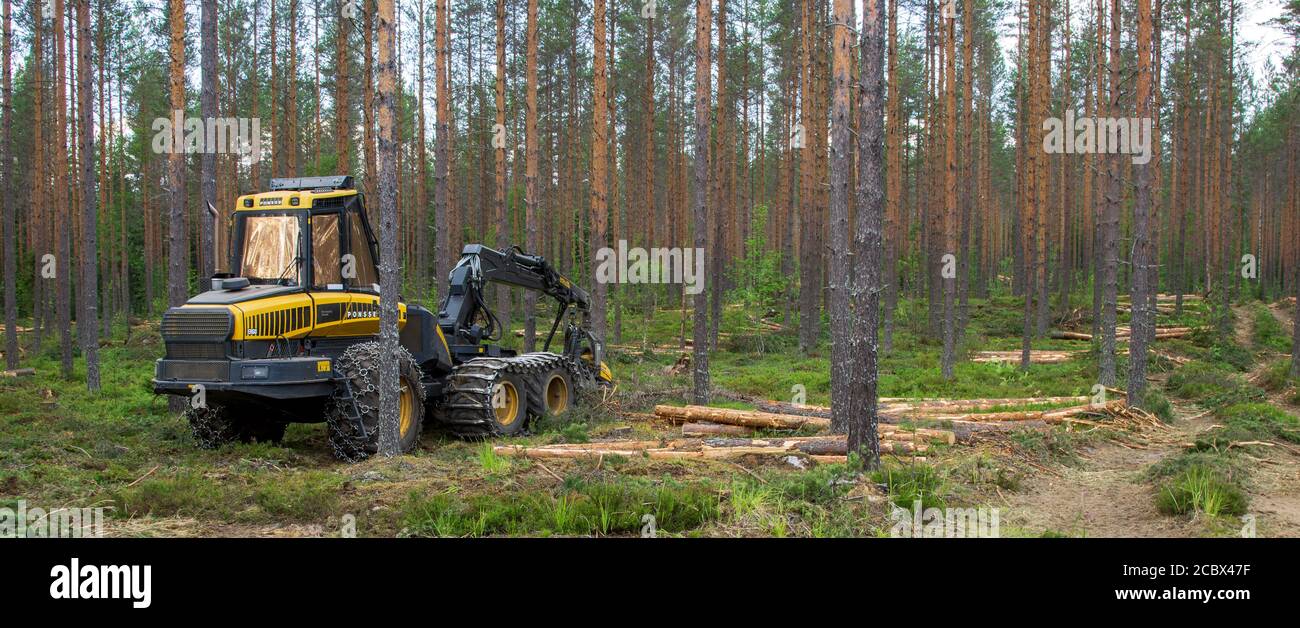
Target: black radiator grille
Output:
{"points": [[191, 371], [196, 350], [196, 324]]}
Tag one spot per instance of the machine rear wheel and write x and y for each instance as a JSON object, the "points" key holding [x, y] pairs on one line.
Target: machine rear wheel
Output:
{"points": [[215, 425], [510, 399], [557, 390], [353, 441]]}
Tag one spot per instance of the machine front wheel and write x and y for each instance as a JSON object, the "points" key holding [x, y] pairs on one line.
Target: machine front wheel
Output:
{"points": [[354, 424]]}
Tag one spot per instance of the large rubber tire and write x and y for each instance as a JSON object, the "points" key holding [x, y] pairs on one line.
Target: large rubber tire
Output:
{"points": [[216, 425], [502, 422], [360, 365], [557, 392]]}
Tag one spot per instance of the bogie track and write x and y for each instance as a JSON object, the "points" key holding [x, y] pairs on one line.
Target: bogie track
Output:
{"points": [[468, 409]]}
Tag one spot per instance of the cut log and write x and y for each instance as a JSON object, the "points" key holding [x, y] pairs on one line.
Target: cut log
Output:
{"points": [[23, 372], [1036, 357], [765, 420], [593, 452], [714, 429]]}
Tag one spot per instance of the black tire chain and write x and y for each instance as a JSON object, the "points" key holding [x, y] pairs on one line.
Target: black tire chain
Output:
{"points": [[358, 363], [213, 426], [467, 406]]}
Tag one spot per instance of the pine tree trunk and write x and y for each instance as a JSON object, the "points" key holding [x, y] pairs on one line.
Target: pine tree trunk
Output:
{"points": [[420, 228], [530, 172], [1143, 316], [40, 246], [63, 228], [867, 239], [894, 182], [87, 317], [1110, 219], [599, 146], [342, 104], [7, 197], [703, 92], [503, 224], [389, 277], [809, 276], [950, 195], [208, 160], [842, 357], [368, 99], [290, 90]]}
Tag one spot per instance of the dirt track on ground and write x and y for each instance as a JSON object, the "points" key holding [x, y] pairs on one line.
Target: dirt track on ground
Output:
{"points": [[1106, 495]]}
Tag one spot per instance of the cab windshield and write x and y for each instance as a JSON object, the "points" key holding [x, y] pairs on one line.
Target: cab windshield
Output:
{"points": [[270, 250]]}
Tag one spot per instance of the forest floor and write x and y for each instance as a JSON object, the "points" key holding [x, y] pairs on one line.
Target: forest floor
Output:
{"points": [[1231, 426], [1107, 494]]}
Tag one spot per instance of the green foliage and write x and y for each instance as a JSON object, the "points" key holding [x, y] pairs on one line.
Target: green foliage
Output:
{"points": [[1203, 489], [310, 496], [1277, 376], [1053, 445], [822, 484], [913, 483], [1157, 403], [1231, 354], [1244, 422], [757, 276], [747, 498], [582, 508], [185, 494], [1268, 333], [1198, 379], [489, 461]]}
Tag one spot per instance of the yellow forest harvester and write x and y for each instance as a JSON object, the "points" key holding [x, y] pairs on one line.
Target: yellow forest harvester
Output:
{"points": [[293, 336]]}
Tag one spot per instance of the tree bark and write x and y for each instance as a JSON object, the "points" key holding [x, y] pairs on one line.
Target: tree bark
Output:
{"points": [[599, 146], [63, 226], [10, 202], [950, 196], [208, 160], [368, 98], [87, 318], [843, 363], [530, 172], [444, 255], [420, 216], [1143, 317], [703, 93], [503, 224], [342, 104], [1110, 218], [388, 270], [867, 241]]}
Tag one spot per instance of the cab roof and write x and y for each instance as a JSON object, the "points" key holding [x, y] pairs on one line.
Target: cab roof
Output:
{"points": [[297, 193]]}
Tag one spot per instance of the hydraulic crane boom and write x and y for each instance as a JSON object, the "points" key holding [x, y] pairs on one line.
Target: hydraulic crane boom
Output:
{"points": [[480, 265]]}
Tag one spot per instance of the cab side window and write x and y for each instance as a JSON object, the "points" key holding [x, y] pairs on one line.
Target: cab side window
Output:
{"points": [[327, 271], [364, 264]]}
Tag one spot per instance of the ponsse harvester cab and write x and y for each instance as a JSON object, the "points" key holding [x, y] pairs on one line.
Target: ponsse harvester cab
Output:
{"points": [[291, 335]]}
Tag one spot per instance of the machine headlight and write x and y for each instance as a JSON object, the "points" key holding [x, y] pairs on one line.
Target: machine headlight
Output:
{"points": [[256, 372]]}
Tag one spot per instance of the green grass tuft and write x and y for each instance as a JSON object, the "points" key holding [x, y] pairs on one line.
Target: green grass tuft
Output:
{"points": [[912, 483], [1202, 489]]}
